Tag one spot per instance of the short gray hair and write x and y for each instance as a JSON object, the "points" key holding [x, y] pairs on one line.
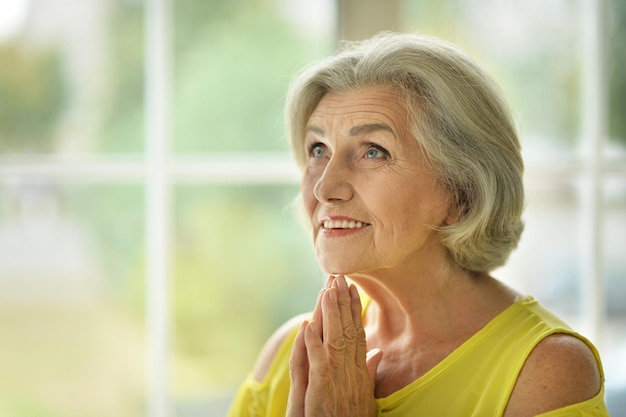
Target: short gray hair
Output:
{"points": [[459, 118]]}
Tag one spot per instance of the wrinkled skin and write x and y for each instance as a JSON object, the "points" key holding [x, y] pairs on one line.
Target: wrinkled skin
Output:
{"points": [[332, 375]]}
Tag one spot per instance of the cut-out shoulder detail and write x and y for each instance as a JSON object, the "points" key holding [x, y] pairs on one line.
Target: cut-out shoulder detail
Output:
{"points": [[264, 361], [561, 370]]}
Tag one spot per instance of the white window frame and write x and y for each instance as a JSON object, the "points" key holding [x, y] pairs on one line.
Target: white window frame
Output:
{"points": [[594, 132]]}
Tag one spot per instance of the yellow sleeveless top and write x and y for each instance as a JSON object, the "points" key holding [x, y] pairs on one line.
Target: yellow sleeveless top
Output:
{"points": [[474, 380]]}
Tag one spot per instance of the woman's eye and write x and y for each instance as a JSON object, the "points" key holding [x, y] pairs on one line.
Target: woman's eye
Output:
{"points": [[316, 151], [375, 152]]}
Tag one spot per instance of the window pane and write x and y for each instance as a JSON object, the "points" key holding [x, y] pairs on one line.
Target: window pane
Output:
{"points": [[71, 300], [233, 61], [614, 269], [71, 77], [533, 50], [617, 72], [546, 264], [243, 267]]}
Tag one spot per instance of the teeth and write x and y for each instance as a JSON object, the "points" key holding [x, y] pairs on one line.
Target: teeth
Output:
{"points": [[343, 224]]}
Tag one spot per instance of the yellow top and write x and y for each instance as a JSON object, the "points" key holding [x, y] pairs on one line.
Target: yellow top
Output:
{"points": [[474, 380]]}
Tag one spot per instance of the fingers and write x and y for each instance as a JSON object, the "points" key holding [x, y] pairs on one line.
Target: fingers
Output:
{"points": [[299, 374], [317, 311], [343, 333], [332, 374], [356, 312], [319, 368], [356, 307], [345, 301], [333, 333], [373, 359]]}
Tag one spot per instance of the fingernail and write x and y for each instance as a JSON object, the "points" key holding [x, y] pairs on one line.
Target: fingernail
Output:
{"points": [[372, 353], [330, 280], [333, 295], [312, 328], [333, 282]]}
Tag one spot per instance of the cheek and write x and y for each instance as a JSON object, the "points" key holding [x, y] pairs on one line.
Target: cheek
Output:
{"points": [[414, 207]]}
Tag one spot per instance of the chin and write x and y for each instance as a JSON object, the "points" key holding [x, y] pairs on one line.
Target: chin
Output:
{"points": [[333, 264], [338, 268]]}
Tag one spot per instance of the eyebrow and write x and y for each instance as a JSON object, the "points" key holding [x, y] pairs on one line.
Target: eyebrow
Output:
{"points": [[315, 130], [356, 130], [370, 128]]}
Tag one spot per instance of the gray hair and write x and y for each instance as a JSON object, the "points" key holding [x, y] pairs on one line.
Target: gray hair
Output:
{"points": [[460, 120]]}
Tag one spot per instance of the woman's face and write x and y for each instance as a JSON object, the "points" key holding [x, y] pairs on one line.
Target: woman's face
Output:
{"points": [[368, 192]]}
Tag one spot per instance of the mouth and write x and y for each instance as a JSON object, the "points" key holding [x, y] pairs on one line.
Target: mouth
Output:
{"points": [[343, 224]]}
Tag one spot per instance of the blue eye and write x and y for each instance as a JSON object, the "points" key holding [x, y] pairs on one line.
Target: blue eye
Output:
{"points": [[372, 153], [316, 151], [375, 152]]}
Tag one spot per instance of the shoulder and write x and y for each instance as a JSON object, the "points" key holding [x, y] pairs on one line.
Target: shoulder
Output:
{"points": [[561, 370], [273, 344]]}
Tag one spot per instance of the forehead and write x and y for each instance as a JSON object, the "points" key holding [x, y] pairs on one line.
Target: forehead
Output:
{"points": [[367, 105]]}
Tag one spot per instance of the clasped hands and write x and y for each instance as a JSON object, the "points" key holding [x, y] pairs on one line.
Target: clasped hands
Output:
{"points": [[332, 374]]}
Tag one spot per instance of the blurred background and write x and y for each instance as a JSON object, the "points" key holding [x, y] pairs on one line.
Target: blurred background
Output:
{"points": [[148, 240]]}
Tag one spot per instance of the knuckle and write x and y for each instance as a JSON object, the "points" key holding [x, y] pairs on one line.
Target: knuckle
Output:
{"points": [[360, 334], [344, 302], [351, 334], [297, 377], [321, 371], [354, 334], [336, 347]]}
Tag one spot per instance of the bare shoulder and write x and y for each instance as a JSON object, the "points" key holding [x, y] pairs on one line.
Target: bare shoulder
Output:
{"points": [[561, 370], [268, 353]]}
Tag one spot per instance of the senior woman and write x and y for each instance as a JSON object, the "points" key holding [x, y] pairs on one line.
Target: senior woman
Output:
{"points": [[412, 190]]}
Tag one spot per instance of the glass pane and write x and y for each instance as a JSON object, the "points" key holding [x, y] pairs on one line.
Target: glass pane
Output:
{"points": [[71, 300], [545, 264], [617, 72], [233, 61], [244, 265], [614, 269], [71, 77], [540, 74]]}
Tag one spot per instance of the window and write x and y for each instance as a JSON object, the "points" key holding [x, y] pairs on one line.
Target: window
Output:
{"points": [[147, 236], [146, 224]]}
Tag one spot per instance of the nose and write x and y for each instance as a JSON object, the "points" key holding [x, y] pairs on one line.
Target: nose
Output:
{"points": [[334, 185]]}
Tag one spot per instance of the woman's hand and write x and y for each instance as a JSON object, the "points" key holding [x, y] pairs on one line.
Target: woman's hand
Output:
{"points": [[330, 374]]}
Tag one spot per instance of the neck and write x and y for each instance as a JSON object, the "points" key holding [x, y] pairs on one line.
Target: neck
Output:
{"points": [[435, 305], [418, 319]]}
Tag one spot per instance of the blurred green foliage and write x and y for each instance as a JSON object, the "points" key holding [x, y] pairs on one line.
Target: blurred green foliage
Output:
{"points": [[235, 58], [32, 97], [242, 264], [541, 80], [115, 214], [123, 124], [233, 63], [617, 71]]}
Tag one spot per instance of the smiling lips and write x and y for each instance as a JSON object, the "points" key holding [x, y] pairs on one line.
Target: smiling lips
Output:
{"points": [[343, 224]]}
